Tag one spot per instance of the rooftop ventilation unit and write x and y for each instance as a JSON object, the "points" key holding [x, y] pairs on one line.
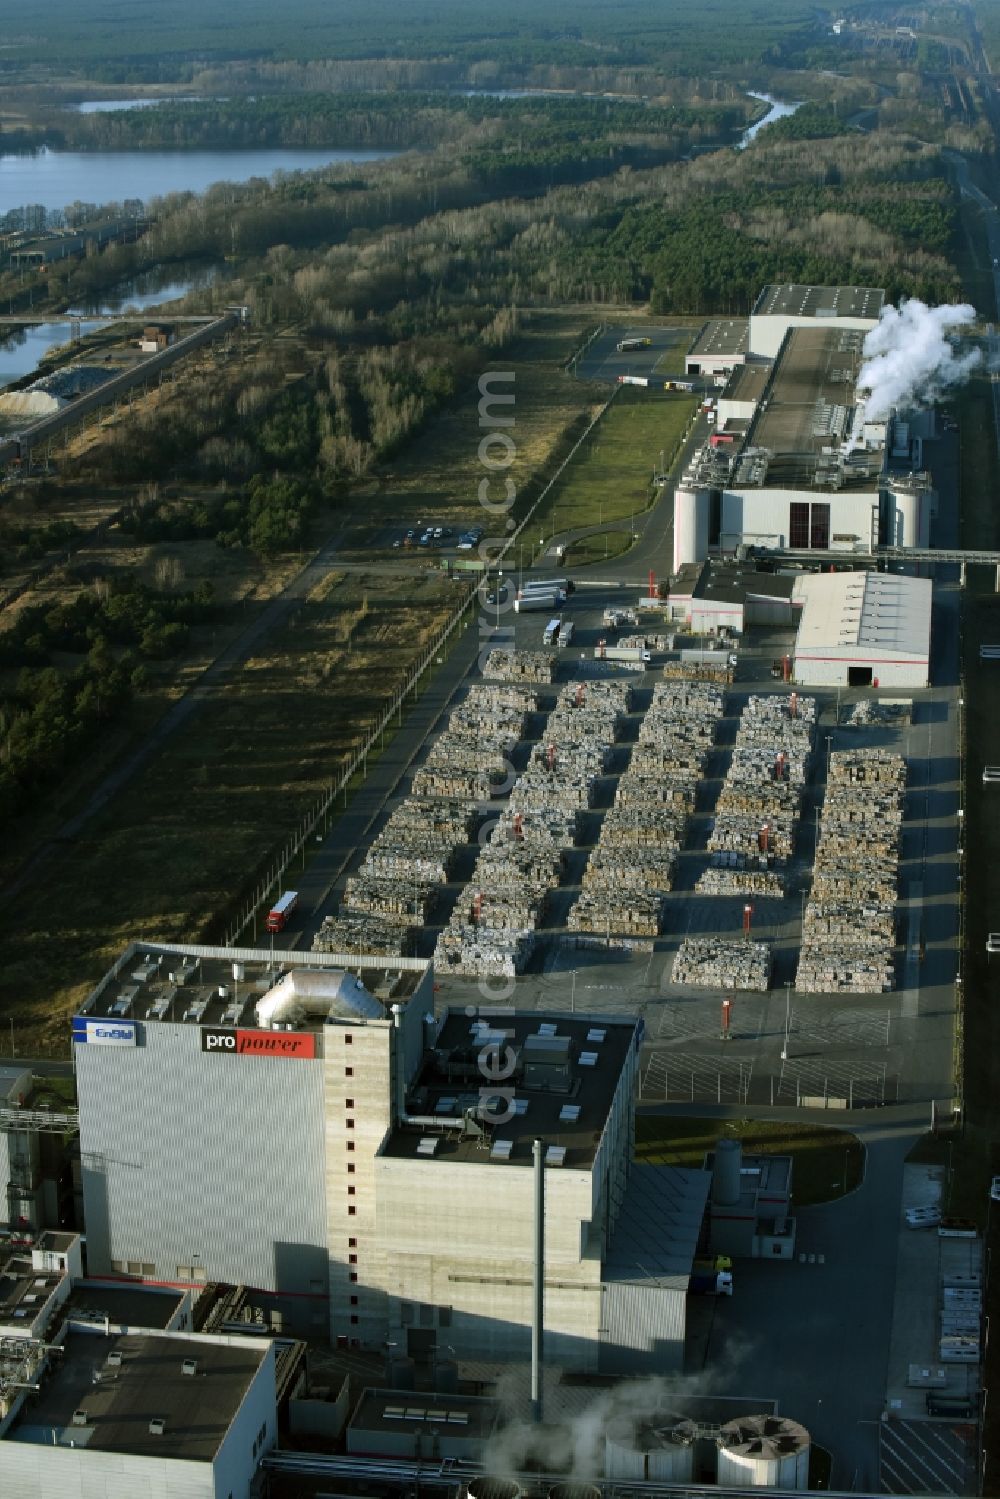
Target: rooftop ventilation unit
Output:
{"points": [[115, 1359], [79, 1418], [595, 1034], [547, 1029], [555, 1155], [189, 1366], [157, 1426], [428, 1145], [588, 1059], [569, 1113], [500, 1150]]}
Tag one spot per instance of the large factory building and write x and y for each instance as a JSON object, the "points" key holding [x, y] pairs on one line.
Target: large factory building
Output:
{"points": [[792, 461], [366, 1167]]}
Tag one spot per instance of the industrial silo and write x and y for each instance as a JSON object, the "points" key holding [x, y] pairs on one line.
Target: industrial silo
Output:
{"points": [[726, 1179], [763, 1452], [691, 517], [657, 1447], [488, 1487]]}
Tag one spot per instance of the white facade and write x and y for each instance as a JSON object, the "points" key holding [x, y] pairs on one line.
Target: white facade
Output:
{"points": [[863, 629]]}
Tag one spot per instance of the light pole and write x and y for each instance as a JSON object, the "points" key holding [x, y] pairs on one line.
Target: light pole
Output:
{"points": [[788, 1010], [499, 591]]}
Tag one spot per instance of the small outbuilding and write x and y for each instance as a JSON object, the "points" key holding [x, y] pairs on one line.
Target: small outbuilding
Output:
{"points": [[863, 629]]}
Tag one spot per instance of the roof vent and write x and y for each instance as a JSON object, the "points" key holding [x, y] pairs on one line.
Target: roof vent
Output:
{"points": [[428, 1145], [555, 1155], [189, 1366], [115, 1358], [157, 1426], [79, 1418]]}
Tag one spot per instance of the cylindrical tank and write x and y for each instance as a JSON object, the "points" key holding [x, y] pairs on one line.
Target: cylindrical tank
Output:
{"points": [[446, 1376], [763, 1452], [655, 1447], [691, 515], [574, 1491], [487, 1487], [726, 1173], [400, 1373]]}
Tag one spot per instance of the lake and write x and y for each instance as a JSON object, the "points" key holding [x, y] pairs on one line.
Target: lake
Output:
{"points": [[55, 178]]}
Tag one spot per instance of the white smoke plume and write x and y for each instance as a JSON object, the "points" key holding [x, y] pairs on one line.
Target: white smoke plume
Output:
{"points": [[909, 359], [570, 1442]]}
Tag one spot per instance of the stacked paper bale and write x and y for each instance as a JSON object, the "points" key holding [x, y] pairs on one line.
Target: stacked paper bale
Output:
{"points": [[757, 815], [849, 926], [506, 898], [632, 867], [711, 963], [520, 666]]}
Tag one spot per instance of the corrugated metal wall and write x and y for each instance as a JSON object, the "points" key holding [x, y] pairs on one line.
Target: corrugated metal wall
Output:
{"points": [[194, 1158], [642, 1328]]}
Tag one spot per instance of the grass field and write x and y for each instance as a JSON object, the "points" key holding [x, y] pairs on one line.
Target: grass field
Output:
{"points": [[610, 478], [601, 547], [191, 828], [437, 479], [827, 1162]]}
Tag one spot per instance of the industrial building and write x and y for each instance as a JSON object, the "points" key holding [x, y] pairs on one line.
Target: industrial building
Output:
{"points": [[751, 1209], [779, 308], [321, 1137], [804, 469], [725, 345], [862, 629], [793, 461], [139, 1412]]}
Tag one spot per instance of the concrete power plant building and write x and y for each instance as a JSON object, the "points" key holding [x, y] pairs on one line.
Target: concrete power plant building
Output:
{"points": [[322, 1138], [793, 461]]}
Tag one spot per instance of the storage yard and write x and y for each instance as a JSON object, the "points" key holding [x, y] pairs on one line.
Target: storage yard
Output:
{"points": [[643, 835]]}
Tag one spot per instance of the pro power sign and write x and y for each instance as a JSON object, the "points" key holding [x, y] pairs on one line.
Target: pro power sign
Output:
{"points": [[104, 1032], [227, 1042]]}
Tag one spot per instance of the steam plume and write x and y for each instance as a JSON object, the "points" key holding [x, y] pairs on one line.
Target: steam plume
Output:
{"points": [[909, 359]]}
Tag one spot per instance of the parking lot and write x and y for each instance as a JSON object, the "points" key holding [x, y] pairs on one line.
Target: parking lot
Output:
{"points": [[603, 360]]}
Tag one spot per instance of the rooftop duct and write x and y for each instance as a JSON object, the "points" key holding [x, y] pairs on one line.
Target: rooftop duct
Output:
{"points": [[318, 994]]}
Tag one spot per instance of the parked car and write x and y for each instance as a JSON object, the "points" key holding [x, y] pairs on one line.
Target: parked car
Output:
{"points": [[465, 543], [923, 1217]]}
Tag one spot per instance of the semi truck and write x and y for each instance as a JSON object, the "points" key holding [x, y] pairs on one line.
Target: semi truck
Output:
{"points": [[626, 345], [277, 917], [707, 657], [565, 635], [551, 632], [633, 653], [711, 1283], [537, 602], [547, 585]]}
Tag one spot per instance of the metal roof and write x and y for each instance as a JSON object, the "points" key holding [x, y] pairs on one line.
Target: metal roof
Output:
{"points": [[879, 613], [656, 1234], [795, 300]]}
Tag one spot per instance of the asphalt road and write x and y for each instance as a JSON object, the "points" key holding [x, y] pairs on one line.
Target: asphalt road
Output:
{"points": [[602, 361]]}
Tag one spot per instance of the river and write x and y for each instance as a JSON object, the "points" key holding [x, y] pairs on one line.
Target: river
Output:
{"points": [[22, 348], [55, 178], [778, 111]]}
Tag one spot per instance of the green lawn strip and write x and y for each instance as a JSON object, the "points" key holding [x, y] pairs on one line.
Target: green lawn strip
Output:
{"points": [[826, 1161], [597, 548], [610, 476]]}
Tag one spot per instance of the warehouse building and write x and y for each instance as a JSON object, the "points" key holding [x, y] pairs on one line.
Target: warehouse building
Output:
{"points": [[725, 345], [863, 629], [321, 1137], [806, 470], [779, 308]]}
